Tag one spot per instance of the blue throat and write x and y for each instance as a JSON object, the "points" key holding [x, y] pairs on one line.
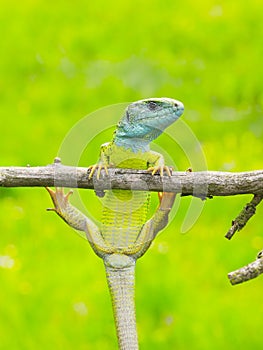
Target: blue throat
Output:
{"points": [[134, 144], [135, 137]]}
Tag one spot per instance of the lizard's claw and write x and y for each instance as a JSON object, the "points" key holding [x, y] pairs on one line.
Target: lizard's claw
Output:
{"points": [[99, 166], [161, 169], [59, 199]]}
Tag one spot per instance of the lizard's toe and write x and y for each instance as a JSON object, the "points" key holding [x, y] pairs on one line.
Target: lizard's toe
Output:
{"points": [[161, 169], [98, 167], [59, 198]]}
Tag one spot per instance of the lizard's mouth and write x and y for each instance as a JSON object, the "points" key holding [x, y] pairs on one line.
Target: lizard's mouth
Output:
{"points": [[156, 118]]}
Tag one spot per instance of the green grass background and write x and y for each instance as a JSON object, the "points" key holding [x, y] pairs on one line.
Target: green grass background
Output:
{"points": [[61, 60]]}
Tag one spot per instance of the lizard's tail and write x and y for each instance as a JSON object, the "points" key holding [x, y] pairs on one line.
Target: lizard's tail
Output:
{"points": [[121, 285]]}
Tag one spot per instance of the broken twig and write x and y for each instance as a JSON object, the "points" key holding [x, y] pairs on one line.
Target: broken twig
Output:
{"points": [[248, 272], [247, 212]]}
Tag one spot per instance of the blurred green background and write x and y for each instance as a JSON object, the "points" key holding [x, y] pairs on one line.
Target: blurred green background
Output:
{"points": [[60, 61]]}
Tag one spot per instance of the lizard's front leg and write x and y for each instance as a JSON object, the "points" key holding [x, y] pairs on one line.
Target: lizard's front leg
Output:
{"points": [[103, 163], [157, 164]]}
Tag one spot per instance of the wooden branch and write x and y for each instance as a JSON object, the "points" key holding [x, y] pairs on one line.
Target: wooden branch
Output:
{"points": [[247, 272], [200, 184], [247, 212]]}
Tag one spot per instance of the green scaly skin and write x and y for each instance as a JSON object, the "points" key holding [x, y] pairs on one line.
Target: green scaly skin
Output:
{"points": [[125, 233]]}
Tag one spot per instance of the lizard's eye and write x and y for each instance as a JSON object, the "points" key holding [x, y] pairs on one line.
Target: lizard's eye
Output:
{"points": [[152, 105], [127, 116]]}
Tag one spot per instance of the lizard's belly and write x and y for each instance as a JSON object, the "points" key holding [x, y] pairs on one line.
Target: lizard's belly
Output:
{"points": [[124, 213]]}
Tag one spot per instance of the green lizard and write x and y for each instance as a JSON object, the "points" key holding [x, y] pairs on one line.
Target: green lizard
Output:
{"points": [[125, 233]]}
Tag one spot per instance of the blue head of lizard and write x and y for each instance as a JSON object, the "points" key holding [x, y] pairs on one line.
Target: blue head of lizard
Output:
{"points": [[145, 120]]}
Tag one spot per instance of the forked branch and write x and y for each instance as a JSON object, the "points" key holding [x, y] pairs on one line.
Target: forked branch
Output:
{"points": [[202, 184]]}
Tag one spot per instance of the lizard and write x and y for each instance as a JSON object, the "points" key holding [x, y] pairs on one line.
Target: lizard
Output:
{"points": [[125, 234]]}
